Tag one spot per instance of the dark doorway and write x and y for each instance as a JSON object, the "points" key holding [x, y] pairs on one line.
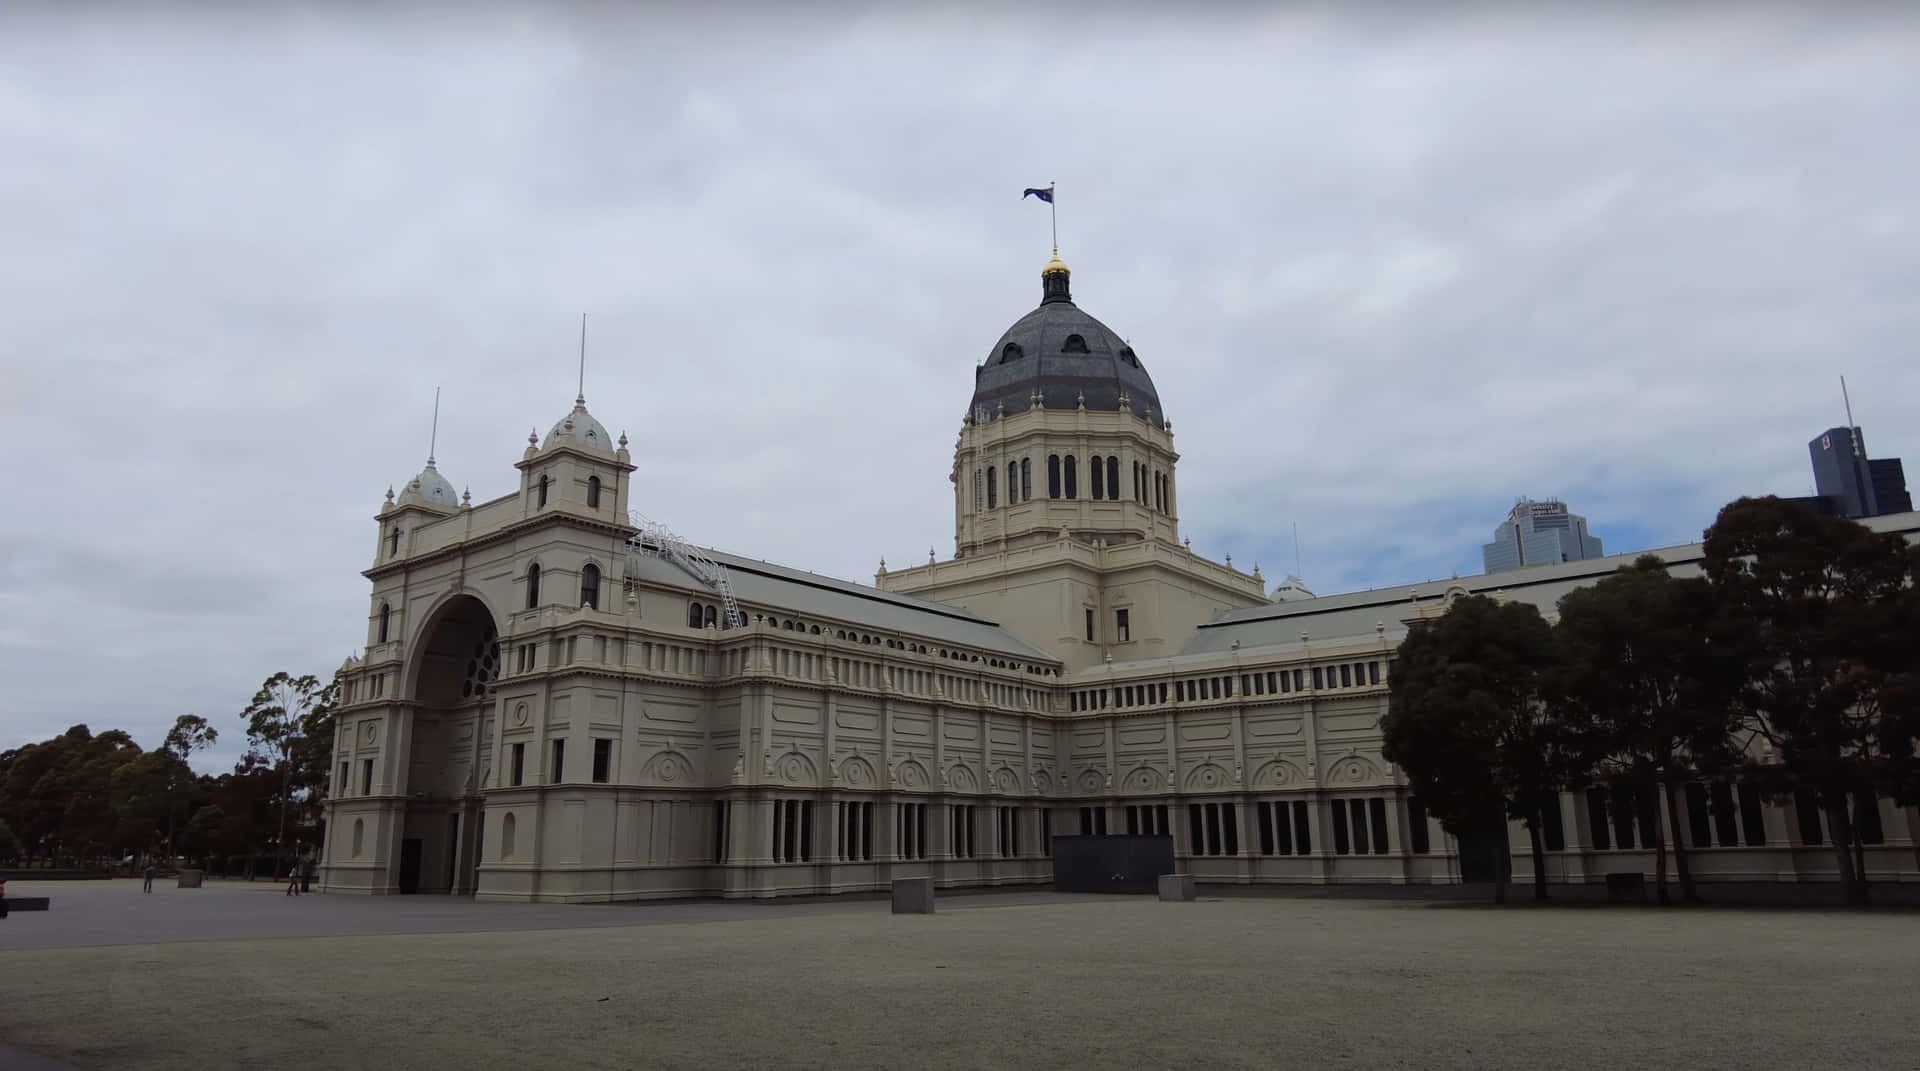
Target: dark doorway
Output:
{"points": [[1480, 850], [1111, 864], [453, 853], [410, 865]]}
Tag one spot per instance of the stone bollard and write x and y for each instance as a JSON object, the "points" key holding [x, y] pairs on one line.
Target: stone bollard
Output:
{"points": [[189, 879], [1176, 887], [913, 896]]}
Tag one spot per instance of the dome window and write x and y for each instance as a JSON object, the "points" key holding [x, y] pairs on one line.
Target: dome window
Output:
{"points": [[1126, 354], [1074, 344], [1011, 353]]}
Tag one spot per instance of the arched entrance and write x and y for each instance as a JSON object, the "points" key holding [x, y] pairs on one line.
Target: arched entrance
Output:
{"points": [[453, 670]]}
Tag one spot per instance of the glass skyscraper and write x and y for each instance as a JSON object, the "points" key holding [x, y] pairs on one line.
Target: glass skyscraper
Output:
{"points": [[1539, 533]]}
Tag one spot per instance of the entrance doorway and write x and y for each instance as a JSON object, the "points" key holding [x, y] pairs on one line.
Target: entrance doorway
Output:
{"points": [[410, 865]]}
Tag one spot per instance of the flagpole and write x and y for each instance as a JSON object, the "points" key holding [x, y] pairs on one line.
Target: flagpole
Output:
{"points": [[1053, 214]]}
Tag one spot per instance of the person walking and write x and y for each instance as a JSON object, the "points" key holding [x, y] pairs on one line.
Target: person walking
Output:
{"points": [[148, 873], [293, 878]]}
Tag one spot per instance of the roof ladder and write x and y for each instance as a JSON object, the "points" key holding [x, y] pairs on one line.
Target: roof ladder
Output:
{"points": [[656, 538]]}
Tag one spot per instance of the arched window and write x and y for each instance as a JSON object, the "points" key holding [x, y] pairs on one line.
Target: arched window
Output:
{"points": [[710, 616], [507, 836], [1026, 478], [693, 615], [1074, 344], [1094, 471], [1011, 352], [386, 618], [1053, 476], [533, 585], [593, 492], [1113, 478], [359, 833], [993, 487], [1013, 482], [543, 491], [1071, 479], [393, 542], [590, 586]]}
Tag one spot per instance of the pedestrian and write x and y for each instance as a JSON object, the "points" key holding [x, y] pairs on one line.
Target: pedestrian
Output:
{"points": [[148, 873], [293, 878]]}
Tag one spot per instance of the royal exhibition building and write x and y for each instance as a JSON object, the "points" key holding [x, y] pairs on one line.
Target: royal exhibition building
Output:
{"points": [[559, 703]]}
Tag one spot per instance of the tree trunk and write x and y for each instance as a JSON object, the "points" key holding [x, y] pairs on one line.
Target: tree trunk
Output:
{"points": [[1841, 830], [1659, 853], [286, 783], [1859, 856], [1502, 865], [1539, 858], [1688, 894]]}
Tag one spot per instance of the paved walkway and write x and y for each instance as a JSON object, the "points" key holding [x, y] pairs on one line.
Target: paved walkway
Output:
{"points": [[92, 913]]}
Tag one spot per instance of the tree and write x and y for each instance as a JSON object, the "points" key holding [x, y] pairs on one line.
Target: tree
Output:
{"points": [[204, 832], [1467, 721], [190, 733], [277, 725], [1818, 601], [1648, 687], [143, 791], [10, 848]]}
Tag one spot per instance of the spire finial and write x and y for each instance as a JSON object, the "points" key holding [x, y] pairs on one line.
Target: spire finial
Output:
{"points": [[580, 398], [433, 438]]}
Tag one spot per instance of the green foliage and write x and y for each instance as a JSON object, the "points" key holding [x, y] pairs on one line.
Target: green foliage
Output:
{"points": [[1820, 611], [190, 733], [83, 797], [1644, 680], [10, 846], [1467, 720]]}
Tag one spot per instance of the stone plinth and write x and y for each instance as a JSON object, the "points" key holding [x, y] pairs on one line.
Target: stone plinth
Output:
{"points": [[913, 896], [1177, 887]]}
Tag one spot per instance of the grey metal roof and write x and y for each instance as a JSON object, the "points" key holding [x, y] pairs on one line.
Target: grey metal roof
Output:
{"points": [[1106, 368], [825, 600], [1357, 613]]}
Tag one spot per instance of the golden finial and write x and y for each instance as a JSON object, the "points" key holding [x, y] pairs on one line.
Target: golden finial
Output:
{"points": [[1056, 265]]}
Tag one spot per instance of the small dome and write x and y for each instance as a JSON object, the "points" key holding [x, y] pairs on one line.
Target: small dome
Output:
{"points": [[579, 429], [430, 489]]}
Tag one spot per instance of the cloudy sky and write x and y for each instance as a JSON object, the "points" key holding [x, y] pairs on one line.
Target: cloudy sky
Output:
{"points": [[1388, 273]]}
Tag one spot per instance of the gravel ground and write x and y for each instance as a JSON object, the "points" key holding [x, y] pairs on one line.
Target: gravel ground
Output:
{"points": [[1121, 982]]}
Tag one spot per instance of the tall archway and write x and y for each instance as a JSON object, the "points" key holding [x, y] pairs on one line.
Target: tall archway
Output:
{"points": [[452, 669]]}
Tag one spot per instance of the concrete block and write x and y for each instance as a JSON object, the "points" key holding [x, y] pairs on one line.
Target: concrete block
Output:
{"points": [[189, 879], [1178, 887], [913, 896]]}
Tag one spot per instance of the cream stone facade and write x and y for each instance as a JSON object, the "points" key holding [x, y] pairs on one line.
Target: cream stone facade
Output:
{"points": [[555, 703]]}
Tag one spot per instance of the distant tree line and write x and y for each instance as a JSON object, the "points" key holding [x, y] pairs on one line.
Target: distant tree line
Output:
{"points": [[85, 799], [1790, 662]]}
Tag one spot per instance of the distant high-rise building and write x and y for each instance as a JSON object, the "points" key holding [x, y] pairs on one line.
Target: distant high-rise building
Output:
{"points": [[1539, 533], [1847, 483]]}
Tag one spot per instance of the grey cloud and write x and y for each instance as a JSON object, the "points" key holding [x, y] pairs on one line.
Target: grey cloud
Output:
{"points": [[1387, 273]]}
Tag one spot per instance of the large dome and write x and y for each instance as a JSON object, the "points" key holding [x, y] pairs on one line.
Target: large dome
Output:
{"points": [[1065, 355]]}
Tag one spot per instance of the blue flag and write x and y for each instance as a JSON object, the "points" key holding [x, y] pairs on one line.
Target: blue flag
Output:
{"points": [[1035, 191]]}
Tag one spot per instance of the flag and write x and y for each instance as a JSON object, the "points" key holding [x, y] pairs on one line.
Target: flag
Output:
{"points": [[1035, 191]]}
